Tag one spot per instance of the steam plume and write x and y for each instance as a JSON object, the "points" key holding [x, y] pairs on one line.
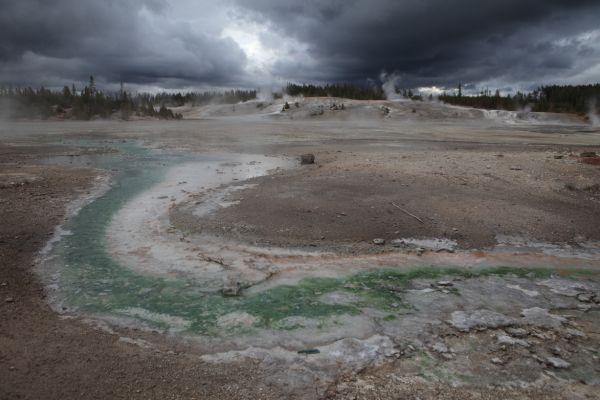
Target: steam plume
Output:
{"points": [[389, 82], [593, 113]]}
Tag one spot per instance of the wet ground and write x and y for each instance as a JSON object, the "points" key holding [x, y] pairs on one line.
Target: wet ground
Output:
{"points": [[206, 239]]}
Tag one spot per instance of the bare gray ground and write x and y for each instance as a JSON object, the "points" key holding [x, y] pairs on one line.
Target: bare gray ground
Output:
{"points": [[467, 195]]}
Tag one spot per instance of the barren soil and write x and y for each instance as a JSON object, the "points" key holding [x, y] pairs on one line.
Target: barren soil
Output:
{"points": [[468, 195]]}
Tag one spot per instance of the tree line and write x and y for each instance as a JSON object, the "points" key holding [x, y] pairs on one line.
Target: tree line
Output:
{"points": [[552, 98], [90, 102], [345, 90]]}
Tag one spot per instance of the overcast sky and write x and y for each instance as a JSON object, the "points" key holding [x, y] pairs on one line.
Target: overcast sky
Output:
{"points": [[195, 44]]}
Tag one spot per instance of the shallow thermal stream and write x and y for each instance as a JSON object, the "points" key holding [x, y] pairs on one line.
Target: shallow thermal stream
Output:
{"points": [[116, 258]]}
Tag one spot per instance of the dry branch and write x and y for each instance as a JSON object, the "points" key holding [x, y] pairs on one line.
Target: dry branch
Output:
{"points": [[407, 213]]}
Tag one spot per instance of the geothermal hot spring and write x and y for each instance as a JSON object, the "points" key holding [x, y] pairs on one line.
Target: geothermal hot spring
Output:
{"points": [[119, 258]]}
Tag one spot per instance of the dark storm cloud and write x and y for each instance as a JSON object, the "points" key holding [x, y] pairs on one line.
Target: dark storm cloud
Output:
{"points": [[48, 42], [179, 43], [436, 41]]}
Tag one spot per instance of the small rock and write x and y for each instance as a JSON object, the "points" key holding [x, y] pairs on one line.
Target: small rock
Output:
{"points": [[514, 168], [497, 360], [306, 159], [444, 283], [420, 251], [379, 241], [3, 284], [517, 332], [10, 300], [557, 362], [558, 157], [587, 154], [440, 347], [505, 339]]}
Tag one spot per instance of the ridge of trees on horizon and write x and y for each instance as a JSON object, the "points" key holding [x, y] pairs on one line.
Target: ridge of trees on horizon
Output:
{"points": [[344, 90], [90, 102], [551, 98]]}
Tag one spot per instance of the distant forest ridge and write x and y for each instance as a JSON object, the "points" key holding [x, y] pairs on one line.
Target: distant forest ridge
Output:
{"points": [[90, 102], [344, 90], [554, 98]]}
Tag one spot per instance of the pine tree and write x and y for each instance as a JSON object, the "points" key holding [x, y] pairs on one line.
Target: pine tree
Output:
{"points": [[92, 85]]}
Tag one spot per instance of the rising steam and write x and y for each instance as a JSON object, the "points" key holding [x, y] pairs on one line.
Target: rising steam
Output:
{"points": [[389, 83], [593, 113]]}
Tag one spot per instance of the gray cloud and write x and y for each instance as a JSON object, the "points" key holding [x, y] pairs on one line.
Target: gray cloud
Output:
{"points": [[438, 41], [173, 44], [48, 43]]}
